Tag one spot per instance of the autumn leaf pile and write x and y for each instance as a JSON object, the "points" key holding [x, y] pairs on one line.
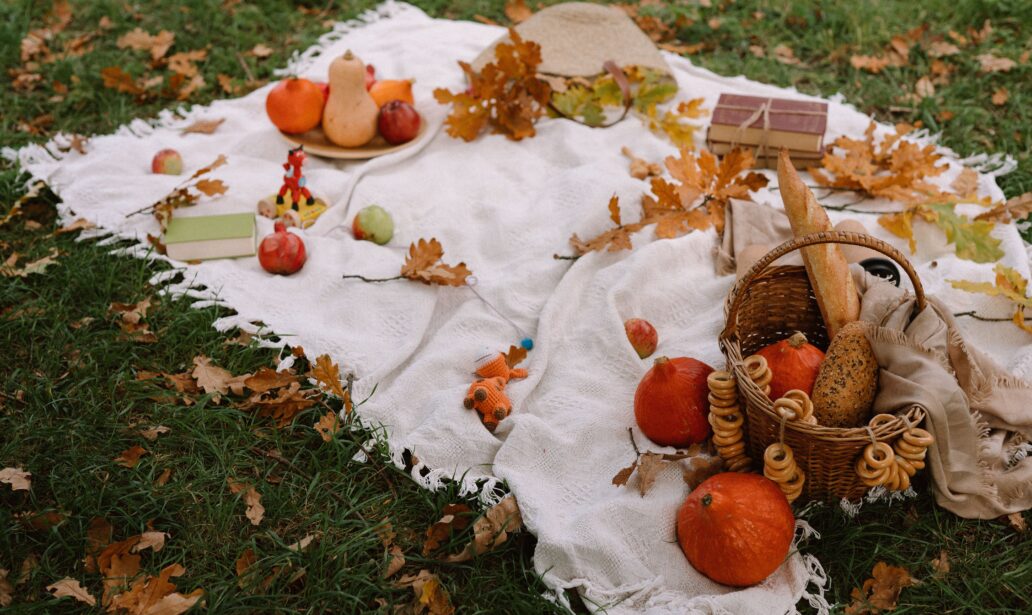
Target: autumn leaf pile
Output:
{"points": [[701, 187], [507, 95]]}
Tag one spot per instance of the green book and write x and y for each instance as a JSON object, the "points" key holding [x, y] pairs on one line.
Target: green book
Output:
{"points": [[205, 237]]}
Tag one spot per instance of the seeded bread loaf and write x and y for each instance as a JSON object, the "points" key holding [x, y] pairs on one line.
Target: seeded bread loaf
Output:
{"points": [[847, 381]]}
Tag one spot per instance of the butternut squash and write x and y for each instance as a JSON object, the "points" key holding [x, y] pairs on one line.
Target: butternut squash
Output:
{"points": [[349, 119]]}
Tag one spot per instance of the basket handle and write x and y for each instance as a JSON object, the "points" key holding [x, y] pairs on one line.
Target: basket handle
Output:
{"points": [[821, 237]]}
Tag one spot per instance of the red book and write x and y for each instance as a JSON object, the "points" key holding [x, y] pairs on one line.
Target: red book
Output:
{"points": [[796, 124]]}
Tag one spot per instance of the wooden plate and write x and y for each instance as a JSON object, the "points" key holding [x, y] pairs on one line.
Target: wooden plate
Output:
{"points": [[316, 143]]}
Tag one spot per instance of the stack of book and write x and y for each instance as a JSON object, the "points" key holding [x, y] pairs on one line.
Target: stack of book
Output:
{"points": [[765, 125]]}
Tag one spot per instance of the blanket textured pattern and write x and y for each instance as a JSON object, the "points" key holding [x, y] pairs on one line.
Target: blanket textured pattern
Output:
{"points": [[504, 208]]}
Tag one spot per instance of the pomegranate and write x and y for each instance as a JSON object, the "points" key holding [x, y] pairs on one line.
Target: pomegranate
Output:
{"points": [[282, 252]]}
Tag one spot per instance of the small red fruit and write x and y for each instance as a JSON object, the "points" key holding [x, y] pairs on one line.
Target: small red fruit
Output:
{"points": [[670, 404], [282, 252], [168, 162], [398, 122], [325, 87], [642, 335]]}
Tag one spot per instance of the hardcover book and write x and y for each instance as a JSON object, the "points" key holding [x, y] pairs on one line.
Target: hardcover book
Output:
{"points": [[795, 124], [207, 237]]}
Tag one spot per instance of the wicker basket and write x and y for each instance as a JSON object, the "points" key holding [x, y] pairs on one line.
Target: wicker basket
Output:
{"points": [[767, 305]]}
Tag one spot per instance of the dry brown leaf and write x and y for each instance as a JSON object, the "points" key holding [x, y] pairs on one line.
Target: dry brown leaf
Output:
{"points": [[924, 88], [28, 566], [152, 433], [204, 127], [255, 511], [9, 268], [43, 521], [492, 529], [1000, 96], [640, 168], [260, 50], [327, 374], [6, 589], [1017, 522], [784, 54], [396, 563], [98, 537], [302, 544], [430, 596], [152, 595], [211, 187], [620, 478], [649, 466], [328, 425], [456, 518], [157, 44], [990, 63], [966, 183], [213, 379], [880, 592], [423, 264], [267, 379], [941, 49], [517, 10], [18, 479], [131, 456], [185, 89], [80, 224], [700, 468], [282, 405], [941, 565], [182, 63], [118, 565], [150, 540], [1010, 284], [69, 587], [1017, 208], [243, 566], [871, 64], [163, 478]]}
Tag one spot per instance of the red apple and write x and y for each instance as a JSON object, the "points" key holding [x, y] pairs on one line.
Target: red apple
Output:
{"points": [[325, 87], [398, 122], [168, 162], [370, 76], [642, 335], [282, 252]]}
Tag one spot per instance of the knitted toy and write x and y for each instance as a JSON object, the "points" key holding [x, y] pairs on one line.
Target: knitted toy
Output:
{"points": [[487, 394]]}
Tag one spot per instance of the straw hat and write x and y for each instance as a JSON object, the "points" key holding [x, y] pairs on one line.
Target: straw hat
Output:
{"points": [[577, 37]]}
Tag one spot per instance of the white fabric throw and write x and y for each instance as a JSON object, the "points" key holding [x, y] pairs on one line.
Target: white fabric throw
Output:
{"points": [[504, 208]]}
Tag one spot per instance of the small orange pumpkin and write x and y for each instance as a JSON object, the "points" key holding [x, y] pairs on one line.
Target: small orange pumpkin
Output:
{"points": [[670, 405], [794, 363], [736, 528]]}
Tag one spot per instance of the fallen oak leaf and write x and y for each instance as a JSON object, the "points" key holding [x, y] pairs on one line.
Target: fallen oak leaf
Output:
{"points": [[182, 63], [150, 540], [98, 537], [395, 563], [1017, 208], [18, 479], [327, 374], [1000, 96], [492, 529], [131, 456], [1017, 522], [455, 518], [640, 168], [118, 565], [139, 40], [80, 224], [302, 544], [517, 10], [243, 566], [70, 588], [204, 127], [152, 433], [260, 51], [212, 379], [430, 595], [6, 589], [163, 478], [255, 511], [941, 565], [423, 264], [328, 425], [8, 268], [881, 591], [156, 595], [267, 379], [990, 63], [620, 478], [649, 466]]}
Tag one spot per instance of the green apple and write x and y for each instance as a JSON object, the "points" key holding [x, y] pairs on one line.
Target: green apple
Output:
{"points": [[373, 223]]}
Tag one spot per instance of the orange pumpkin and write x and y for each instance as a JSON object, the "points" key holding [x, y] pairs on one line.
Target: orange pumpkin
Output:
{"points": [[295, 105], [670, 404], [736, 528], [794, 363], [387, 90]]}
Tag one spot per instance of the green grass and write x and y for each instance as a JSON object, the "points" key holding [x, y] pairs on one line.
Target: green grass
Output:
{"points": [[69, 402]]}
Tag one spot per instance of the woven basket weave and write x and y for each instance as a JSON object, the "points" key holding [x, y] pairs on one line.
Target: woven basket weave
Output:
{"points": [[767, 305]]}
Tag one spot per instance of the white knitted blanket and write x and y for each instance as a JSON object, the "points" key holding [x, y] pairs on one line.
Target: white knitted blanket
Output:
{"points": [[504, 208]]}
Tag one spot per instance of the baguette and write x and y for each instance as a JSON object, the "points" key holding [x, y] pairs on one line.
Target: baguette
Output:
{"points": [[826, 266]]}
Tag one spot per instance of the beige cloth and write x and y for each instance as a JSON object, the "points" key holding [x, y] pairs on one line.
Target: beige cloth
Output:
{"points": [[980, 415]]}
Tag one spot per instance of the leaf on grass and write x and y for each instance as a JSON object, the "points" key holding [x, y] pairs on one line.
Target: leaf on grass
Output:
{"points": [[302, 544], [456, 518], [506, 94], [243, 567], [396, 562], [430, 595], [1017, 522], [255, 511], [517, 10], [150, 540], [182, 63], [990, 63], [281, 405], [6, 589], [941, 565], [880, 592], [327, 374], [156, 44], [156, 595], [213, 379], [18, 479], [1017, 208], [9, 268], [70, 588], [1000, 96], [871, 64], [267, 379], [131, 456], [163, 478], [42, 521], [423, 264], [204, 127], [118, 565], [940, 49], [492, 529], [260, 51], [152, 433], [98, 537], [328, 425], [80, 224], [115, 78]]}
